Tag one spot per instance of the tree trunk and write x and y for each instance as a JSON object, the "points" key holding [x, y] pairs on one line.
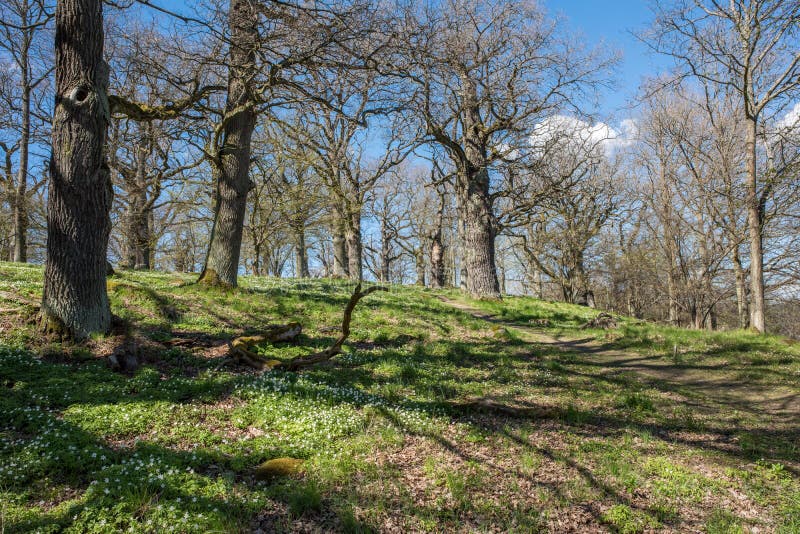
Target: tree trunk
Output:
{"points": [[21, 201], [75, 302], [740, 276], [233, 165], [385, 253], [475, 203], [300, 255], [754, 222], [341, 267], [419, 265], [538, 284], [257, 259], [354, 246], [479, 251], [437, 260], [138, 234]]}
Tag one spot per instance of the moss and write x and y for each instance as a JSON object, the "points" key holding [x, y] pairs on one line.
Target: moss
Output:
{"points": [[279, 467], [211, 278]]}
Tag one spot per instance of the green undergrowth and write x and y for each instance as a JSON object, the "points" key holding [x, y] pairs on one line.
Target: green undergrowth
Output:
{"points": [[431, 419]]}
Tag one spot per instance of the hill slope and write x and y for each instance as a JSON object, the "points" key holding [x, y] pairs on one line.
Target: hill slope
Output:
{"points": [[443, 415]]}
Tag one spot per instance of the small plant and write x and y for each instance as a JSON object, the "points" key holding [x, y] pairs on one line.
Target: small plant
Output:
{"points": [[627, 521]]}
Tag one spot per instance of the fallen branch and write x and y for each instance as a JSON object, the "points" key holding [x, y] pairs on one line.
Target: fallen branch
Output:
{"points": [[604, 321], [306, 361], [240, 349]]}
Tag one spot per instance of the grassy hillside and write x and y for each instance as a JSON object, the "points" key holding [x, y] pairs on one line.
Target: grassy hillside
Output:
{"points": [[443, 414]]}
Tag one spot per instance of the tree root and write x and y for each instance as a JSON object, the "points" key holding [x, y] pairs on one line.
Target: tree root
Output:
{"points": [[240, 349]]}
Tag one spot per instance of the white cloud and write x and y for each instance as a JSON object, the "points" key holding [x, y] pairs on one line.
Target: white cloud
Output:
{"points": [[600, 135], [791, 119]]}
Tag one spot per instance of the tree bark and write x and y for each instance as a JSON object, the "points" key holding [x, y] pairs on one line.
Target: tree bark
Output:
{"points": [[21, 202], [437, 260], [138, 234], [475, 203], [355, 246], [75, 302], [233, 164], [341, 268], [479, 235], [754, 222], [740, 277], [419, 264], [300, 255]]}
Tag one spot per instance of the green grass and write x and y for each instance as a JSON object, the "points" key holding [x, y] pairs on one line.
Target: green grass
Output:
{"points": [[431, 420]]}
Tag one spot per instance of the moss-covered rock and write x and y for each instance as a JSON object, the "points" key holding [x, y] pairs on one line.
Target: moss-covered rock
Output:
{"points": [[279, 467]]}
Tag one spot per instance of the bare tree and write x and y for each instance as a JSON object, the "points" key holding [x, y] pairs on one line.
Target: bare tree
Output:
{"points": [[751, 47], [477, 75], [335, 133], [22, 23], [577, 195], [273, 48]]}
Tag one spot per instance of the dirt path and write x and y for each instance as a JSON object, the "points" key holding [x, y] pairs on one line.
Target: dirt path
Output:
{"points": [[715, 384]]}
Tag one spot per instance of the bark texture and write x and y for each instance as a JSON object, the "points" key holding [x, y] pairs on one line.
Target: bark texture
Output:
{"points": [[75, 302], [233, 161], [21, 201], [475, 202], [755, 223], [341, 268], [355, 247], [300, 255], [138, 234]]}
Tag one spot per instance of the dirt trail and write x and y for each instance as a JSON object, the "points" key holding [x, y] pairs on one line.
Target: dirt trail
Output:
{"points": [[716, 383]]}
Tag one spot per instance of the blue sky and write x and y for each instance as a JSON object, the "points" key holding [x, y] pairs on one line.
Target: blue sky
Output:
{"points": [[614, 22]]}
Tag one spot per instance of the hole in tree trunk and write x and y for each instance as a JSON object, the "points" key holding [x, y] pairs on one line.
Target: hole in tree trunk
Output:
{"points": [[79, 94]]}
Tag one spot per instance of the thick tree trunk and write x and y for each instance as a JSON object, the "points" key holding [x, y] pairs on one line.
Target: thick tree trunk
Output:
{"points": [[479, 236], [475, 203], [538, 284], [233, 183], [138, 234], [21, 201], [256, 259], [479, 252], [354, 246], [300, 255], [75, 302], [740, 278], [754, 222]]}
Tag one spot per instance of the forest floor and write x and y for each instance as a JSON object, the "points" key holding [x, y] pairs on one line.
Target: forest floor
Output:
{"points": [[444, 414]]}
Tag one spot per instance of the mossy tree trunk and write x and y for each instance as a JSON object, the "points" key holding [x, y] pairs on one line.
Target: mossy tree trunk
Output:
{"points": [[233, 161], [75, 302]]}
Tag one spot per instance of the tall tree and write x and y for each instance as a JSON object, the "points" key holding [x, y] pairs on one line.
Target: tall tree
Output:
{"points": [[751, 47], [476, 77], [21, 24], [74, 300], [232, 162], [272, 49]]}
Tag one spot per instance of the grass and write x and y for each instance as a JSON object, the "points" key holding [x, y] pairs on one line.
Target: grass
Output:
{"points": [[432, 419]]}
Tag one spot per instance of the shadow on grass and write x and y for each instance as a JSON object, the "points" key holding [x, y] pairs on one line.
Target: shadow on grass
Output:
{"points": [[59, 386]]}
